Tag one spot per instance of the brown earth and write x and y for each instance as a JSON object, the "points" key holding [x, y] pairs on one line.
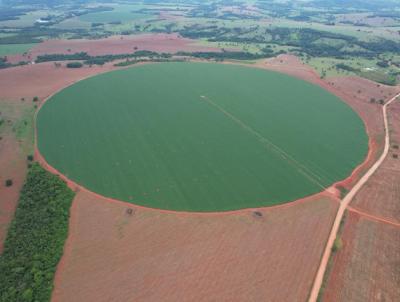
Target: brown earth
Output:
{"points": [[13, 166], [344, 203], [381, 196], [13, 163], [364, 273], [111, 255], [367, 266], [16, 83], [154, 255], [41, 79], [168, 43]]}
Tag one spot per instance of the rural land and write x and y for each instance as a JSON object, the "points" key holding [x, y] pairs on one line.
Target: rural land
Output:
{"points": [[199, 150]]}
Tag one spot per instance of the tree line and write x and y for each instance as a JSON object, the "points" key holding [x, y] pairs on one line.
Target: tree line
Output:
{"points": [[307, 40], [153, 56], [35, 239]]}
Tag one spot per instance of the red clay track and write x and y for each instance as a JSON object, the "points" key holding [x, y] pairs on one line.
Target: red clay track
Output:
{"points": [[91, 270], [343, 205], [373, 217], [348, 198], [365, 268]]}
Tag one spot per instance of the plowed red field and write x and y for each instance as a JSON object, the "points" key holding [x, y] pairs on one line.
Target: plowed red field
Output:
{"points": [[168, 43], [366, 268], [148, 255], [381, 196]]}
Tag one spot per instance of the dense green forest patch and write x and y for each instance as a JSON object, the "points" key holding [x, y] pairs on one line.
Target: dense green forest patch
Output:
{"points": [[36, 237]]}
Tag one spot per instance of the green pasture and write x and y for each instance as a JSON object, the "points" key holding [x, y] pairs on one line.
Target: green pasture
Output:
{"points": [[12, 49], [121, 13], [26, 20], [200, 136], [111, 17]]}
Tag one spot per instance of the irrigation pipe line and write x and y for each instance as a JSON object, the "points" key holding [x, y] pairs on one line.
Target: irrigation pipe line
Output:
{"points": [[311, 175]]}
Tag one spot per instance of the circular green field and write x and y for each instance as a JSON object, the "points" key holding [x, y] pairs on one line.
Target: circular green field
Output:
{"points": [[200, 137]]}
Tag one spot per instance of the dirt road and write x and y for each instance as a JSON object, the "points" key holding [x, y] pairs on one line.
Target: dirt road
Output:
{"points": [[343, 205]]}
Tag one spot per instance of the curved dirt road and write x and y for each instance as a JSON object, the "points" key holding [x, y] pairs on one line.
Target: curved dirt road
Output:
{"points": [[343, 205]]}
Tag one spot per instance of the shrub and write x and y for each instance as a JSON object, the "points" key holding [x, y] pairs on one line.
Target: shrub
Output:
{"points": [[337, 245], [383, 64], [35, 99], [74, 65], [9, 182]]}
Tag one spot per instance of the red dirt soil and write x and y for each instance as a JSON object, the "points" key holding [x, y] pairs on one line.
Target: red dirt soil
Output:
{"points": [[111, 255], [168, 43], [13, 158], [366, 268], [155, 255], [13, 166], [41, 79], [25, 82], [381, 196]]}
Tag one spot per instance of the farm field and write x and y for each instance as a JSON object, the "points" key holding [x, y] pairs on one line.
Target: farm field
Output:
{"points": [[211, 137], [365, 269], [11, 49], [16, 143], [111, 255], [168, 43], [384, 185], [17, 89], [200, 151], [25, 20], [121, 14]]}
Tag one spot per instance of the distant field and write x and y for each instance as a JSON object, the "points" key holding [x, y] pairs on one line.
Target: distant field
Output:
{"points": [[366, 68], [26, 20], [73, 23], [200, 137], [122, 13], [111, 17], [11, 49]]}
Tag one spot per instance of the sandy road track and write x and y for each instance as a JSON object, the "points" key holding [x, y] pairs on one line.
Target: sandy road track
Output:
{"points": [[373, 217], [344, 204]]}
